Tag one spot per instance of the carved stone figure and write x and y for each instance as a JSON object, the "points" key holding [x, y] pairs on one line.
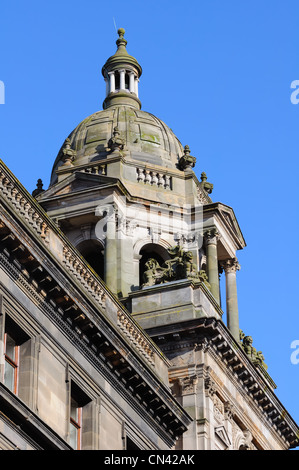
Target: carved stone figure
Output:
{"points": [[153, 273], [116, 142], [180, 266], [255, 356], [190, 268]]}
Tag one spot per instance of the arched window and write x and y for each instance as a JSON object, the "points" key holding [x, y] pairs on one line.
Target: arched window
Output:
{"points": [[151, 250], [92, 251]]}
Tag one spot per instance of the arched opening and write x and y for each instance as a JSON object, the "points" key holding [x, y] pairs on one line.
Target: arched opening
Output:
{"points": [[151, 250], [92, 251]]}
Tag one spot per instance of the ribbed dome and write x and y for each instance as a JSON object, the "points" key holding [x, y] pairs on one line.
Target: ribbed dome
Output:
{"points": [[146, 138], [143, 136]]}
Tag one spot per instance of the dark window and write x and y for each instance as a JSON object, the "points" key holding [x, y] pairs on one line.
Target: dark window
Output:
{"points": [[130, 445], [93, 253], [117, 80]]}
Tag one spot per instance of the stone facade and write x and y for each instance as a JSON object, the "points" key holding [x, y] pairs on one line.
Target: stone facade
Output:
{"points": [[111, 330]]}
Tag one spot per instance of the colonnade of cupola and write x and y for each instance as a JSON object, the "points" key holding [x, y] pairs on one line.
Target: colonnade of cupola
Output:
{"points": [[121, 80]]}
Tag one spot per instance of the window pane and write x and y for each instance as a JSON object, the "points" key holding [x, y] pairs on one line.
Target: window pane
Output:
{"points": [[74, 410], [73, 436], [9, 376], [10, 347]]}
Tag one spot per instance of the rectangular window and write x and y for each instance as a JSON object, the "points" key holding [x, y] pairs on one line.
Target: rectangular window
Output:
{"points": [[11, 363], [17, 373], [75, 424]]}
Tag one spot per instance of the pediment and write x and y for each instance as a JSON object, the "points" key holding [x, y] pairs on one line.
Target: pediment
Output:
{"points": [[77, 181], [228, 217], [221, 433]]}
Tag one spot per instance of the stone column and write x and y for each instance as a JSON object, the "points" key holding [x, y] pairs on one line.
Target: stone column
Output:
{"points": [[136, 85], [231, 266], [112, 82], [107, 86], [132, 82], [122, 85], [211, 237], [111, 253]]}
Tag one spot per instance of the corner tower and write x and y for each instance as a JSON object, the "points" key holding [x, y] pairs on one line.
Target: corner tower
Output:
{"points": [[148, 361], [124, 191]]}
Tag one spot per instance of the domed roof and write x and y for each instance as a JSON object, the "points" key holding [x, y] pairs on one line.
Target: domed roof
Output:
{"points": [[146, 138]]}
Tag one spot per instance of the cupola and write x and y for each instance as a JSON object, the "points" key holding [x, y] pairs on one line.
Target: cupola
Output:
{"points": [[121, 73]]}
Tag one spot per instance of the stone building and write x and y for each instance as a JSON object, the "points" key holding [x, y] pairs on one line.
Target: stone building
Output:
{"points": [[110, 307]]}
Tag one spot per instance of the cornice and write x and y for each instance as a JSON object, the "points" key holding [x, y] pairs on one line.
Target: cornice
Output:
{"points": [[227, 218]]}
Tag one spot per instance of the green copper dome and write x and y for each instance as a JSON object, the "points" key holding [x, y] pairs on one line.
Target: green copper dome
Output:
{"points": [[145, 137]]}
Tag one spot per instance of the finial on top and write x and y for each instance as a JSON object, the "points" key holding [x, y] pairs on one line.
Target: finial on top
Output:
{"points": [[39, 188], [68, 153], [121, 40], [208, 187], [187, 162]]}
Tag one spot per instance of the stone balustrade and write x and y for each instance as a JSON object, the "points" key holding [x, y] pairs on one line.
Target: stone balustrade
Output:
{"points": [[85, 277], [95, 170], [135, 336], [154, 178], [24, 206]]}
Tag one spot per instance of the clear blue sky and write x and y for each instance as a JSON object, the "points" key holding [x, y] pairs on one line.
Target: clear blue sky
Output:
{"points": [[219, 73]]}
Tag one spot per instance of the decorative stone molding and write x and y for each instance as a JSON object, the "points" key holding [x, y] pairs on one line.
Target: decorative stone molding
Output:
{"points": [[211, 236], [135, 336], [201, 196], [242, 439], [210, 387], [228, 410], [230, 265], [222, 434], [154, 178], [84, 276], [218, 408], [24, 206], [188, 385]]}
